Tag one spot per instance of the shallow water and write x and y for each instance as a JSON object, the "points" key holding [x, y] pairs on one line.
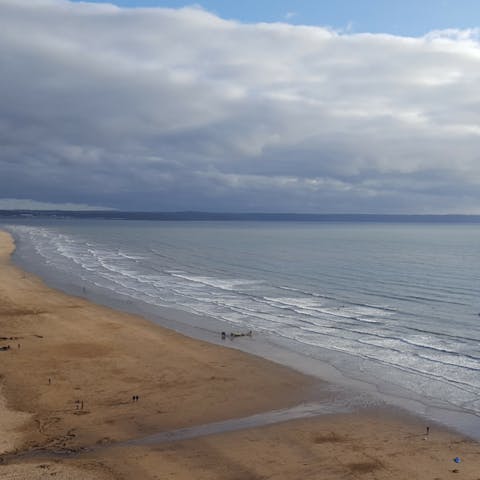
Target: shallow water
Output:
{"points": [[394, 307]]}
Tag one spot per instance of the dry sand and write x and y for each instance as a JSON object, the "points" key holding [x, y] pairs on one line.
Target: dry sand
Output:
{"points": [[65, 350]]}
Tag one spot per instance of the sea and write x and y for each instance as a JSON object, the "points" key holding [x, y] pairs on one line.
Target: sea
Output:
{"points": [[386, 311]]}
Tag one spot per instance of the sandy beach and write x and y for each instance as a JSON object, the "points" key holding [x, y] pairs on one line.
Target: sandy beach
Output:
{"points": [[73, 369]]}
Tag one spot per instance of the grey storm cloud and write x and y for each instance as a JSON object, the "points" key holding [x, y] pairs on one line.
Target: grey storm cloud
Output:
{"points": [[171, 109]]}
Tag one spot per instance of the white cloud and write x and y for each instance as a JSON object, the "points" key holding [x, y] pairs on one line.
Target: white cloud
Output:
{"points": [[27, 204], [176, 109]]}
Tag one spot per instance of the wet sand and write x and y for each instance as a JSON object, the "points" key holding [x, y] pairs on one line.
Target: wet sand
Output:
{"points": [[68, 379]]}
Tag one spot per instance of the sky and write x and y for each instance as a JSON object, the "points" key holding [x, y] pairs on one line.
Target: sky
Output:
{"points": [[273, 106], [405, 17]]}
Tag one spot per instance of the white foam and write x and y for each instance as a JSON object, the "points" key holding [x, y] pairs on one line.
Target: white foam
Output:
{"points": [[224, 284]]}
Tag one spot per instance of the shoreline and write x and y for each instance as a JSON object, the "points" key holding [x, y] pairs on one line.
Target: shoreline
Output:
{"points": [[311, 361], [101, 357]]}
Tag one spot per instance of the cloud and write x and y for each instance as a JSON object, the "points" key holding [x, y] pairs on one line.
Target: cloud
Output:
{"points": [[165, 109], [290, 15], [25, 204]]}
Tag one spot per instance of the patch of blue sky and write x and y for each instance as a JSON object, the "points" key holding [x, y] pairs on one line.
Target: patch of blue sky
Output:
{"points": [[405, 18]]}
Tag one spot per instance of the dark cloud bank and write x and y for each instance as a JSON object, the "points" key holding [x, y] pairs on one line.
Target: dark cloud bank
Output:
{"points": [[159, 109]]}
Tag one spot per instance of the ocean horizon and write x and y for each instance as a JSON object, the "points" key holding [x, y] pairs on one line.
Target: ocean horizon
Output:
{"points": [[242, 216]]}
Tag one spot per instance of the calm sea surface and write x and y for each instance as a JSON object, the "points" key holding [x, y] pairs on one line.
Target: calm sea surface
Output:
{"points": [[393, 305]]}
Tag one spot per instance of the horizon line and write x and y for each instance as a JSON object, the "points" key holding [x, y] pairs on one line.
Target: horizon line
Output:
{"points": [[113, 212]]}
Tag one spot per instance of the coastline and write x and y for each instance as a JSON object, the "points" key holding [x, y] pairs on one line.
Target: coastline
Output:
{"points": [[102, 357]]}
